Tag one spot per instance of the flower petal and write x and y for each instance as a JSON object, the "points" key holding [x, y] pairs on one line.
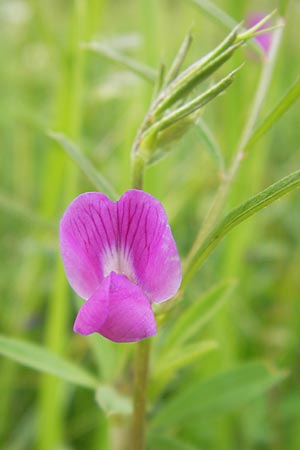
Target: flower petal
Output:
{"points": [[146, 241], [118, 310], [131, 237], [88, 238], [93, 312], [264, 40]]}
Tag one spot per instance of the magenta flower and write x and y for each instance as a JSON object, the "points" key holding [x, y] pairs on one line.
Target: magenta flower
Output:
{"points": [[121, 257], [264, 40]]}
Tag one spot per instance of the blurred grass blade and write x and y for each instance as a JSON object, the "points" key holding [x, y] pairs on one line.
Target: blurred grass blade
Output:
{"points": [[26, 432], [216, 13], [179, 58], [238, 215], [280, 109], [112, 402], [211, 144], [220, 394], [181, 357], [98, 180], [283, 6], [143, 71], [15, 207], [198, 314], [38, 358]]}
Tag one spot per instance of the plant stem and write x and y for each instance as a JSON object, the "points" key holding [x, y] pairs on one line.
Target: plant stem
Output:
{"points": [[138, 426], [138, 166], [137, 435]]}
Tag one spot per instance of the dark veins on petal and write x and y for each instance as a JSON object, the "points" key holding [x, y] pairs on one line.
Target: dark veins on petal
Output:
{"points": [[138, 223], [99, 215]]}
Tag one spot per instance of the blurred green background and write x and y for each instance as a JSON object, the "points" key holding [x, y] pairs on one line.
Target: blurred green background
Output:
{"points": [[49, 82]]}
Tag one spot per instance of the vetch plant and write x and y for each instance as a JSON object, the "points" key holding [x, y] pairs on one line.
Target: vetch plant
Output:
{"points": [[120, 256]]}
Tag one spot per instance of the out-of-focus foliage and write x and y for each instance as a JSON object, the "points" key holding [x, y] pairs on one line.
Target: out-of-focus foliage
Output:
{"points": [[205, 391]]}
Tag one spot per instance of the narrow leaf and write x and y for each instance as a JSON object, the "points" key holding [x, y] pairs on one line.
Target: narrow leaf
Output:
{"points": [[198, 314], [38, 358], [181, 357], [159, 80], [143, 71], [222, 393], [213, 147], [255, 29], [195, 104], [98, 180], [179, 58], [193, 76], [238, 215], [112, 402], [280, 109]]}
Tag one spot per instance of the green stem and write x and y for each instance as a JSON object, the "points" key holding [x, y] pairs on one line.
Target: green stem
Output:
{"points": [[138, 427], [141, 365], [137, 169]]}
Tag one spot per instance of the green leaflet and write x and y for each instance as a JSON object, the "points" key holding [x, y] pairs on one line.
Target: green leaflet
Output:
{"points": [[181, 357], [38, 358], [222, 393], [195, 104], [98, 180], [179, 59], [238, 215], [291, 96], [197, 314], [194, 75]]}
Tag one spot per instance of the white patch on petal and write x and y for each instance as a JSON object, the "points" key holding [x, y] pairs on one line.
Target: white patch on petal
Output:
{"points": [[116, 261]]}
